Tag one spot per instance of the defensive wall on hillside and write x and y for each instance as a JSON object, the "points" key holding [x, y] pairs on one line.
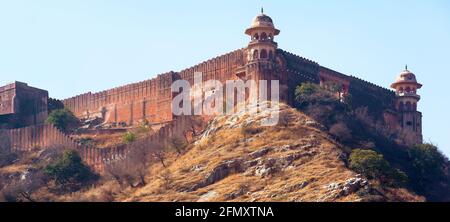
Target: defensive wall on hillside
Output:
{"points": [[47, 136]]}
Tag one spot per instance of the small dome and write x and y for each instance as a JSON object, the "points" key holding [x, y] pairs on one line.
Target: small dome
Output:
{"points": [[262, 20], [406, 77]]}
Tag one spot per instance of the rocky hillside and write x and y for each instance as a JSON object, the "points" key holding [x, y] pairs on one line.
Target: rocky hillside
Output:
{"points": [[234, 159], [238, 160]]}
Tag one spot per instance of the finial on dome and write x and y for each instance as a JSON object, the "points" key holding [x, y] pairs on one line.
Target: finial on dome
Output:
{"points": [[262, 10], [406, 67]]}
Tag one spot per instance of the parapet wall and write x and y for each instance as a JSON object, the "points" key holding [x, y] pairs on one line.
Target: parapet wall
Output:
{"points": [[150, 99], [47, 136]]}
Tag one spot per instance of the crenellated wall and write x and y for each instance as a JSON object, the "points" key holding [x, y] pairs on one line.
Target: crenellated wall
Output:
{"points": [[47, 136], [150, 99]]}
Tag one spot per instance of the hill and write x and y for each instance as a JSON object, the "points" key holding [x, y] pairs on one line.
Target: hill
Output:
{"points": [[236, 159]]}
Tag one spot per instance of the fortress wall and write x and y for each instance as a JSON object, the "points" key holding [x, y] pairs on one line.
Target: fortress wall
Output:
{"points": [[298, 70], [128, 103], [220, 68], [47, 136], [150, 99], [365, 94]]}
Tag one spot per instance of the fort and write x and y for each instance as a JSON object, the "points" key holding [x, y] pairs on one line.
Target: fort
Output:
{"points": [[23, 109]]}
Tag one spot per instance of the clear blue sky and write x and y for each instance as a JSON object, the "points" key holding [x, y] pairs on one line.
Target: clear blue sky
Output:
{"points": [[71, 47]]}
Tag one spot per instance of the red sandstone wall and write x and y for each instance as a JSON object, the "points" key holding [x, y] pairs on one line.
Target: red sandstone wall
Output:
{"points": [[47, 136], [150, 99], [128, 104]]}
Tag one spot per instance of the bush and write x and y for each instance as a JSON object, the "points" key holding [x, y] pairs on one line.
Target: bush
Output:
{"points": [[133, 175], [129, 137], [177, 144], [373, 165], [321, 104], [427, 163], [63, 119], [69, 169], [310, 93], [369, 163]]}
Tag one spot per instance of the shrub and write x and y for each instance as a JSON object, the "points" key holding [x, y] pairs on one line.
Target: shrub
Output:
{"points": [[133, 175], [373, 165], [129, 137], [63, 119], [321, 104], [399, 178], [177, 144], [310, 93], [369, 163], [166, 178], [427, 163], [69, 169]]}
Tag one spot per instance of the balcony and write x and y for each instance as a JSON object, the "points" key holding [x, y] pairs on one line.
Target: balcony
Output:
{"points": [[267, 41], [407, 94]]}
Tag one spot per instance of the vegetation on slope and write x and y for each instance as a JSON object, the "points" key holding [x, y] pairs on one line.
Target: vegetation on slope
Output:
{"points": [[63, 119], [355, 127], [330, 151], [235, 159]]}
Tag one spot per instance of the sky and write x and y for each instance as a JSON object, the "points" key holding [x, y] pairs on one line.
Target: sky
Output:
{"points": [[72, 47]]}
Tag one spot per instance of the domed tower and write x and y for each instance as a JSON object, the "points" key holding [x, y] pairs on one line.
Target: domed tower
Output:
{"points": [[262, 46], [261, 62], [406, 87]]}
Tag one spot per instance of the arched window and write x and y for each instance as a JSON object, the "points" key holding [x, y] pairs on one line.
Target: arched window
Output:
{"points": [[270, 54], [255, 54], [401, 89], [401, 106], [256, 36], [408, 89], [263, 54], [408, 106], [270, 36], [414, 106], [263, 36]]}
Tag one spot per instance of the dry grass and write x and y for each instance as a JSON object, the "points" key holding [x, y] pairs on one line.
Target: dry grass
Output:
{"points": [[176, 181], [319, 170], [105, 140]]}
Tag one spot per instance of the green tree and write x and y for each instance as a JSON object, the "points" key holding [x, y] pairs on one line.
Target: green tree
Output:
{"points": [[427, 163], [369, 163], [63, 119], [373, 165], [69, 169]]}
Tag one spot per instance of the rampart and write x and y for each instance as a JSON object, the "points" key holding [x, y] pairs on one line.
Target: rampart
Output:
{"points": [[150, 99], [47, 136]]}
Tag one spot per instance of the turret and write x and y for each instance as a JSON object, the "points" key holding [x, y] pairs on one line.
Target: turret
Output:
{"points": [[262, 32], [406, 101]]}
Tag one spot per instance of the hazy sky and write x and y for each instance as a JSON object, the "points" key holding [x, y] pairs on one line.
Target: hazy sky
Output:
{"points": [[71, 47]]}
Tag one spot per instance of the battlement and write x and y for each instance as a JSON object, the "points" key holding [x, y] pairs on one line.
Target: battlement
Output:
{"points": [[297, 57], [371, 85]]}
